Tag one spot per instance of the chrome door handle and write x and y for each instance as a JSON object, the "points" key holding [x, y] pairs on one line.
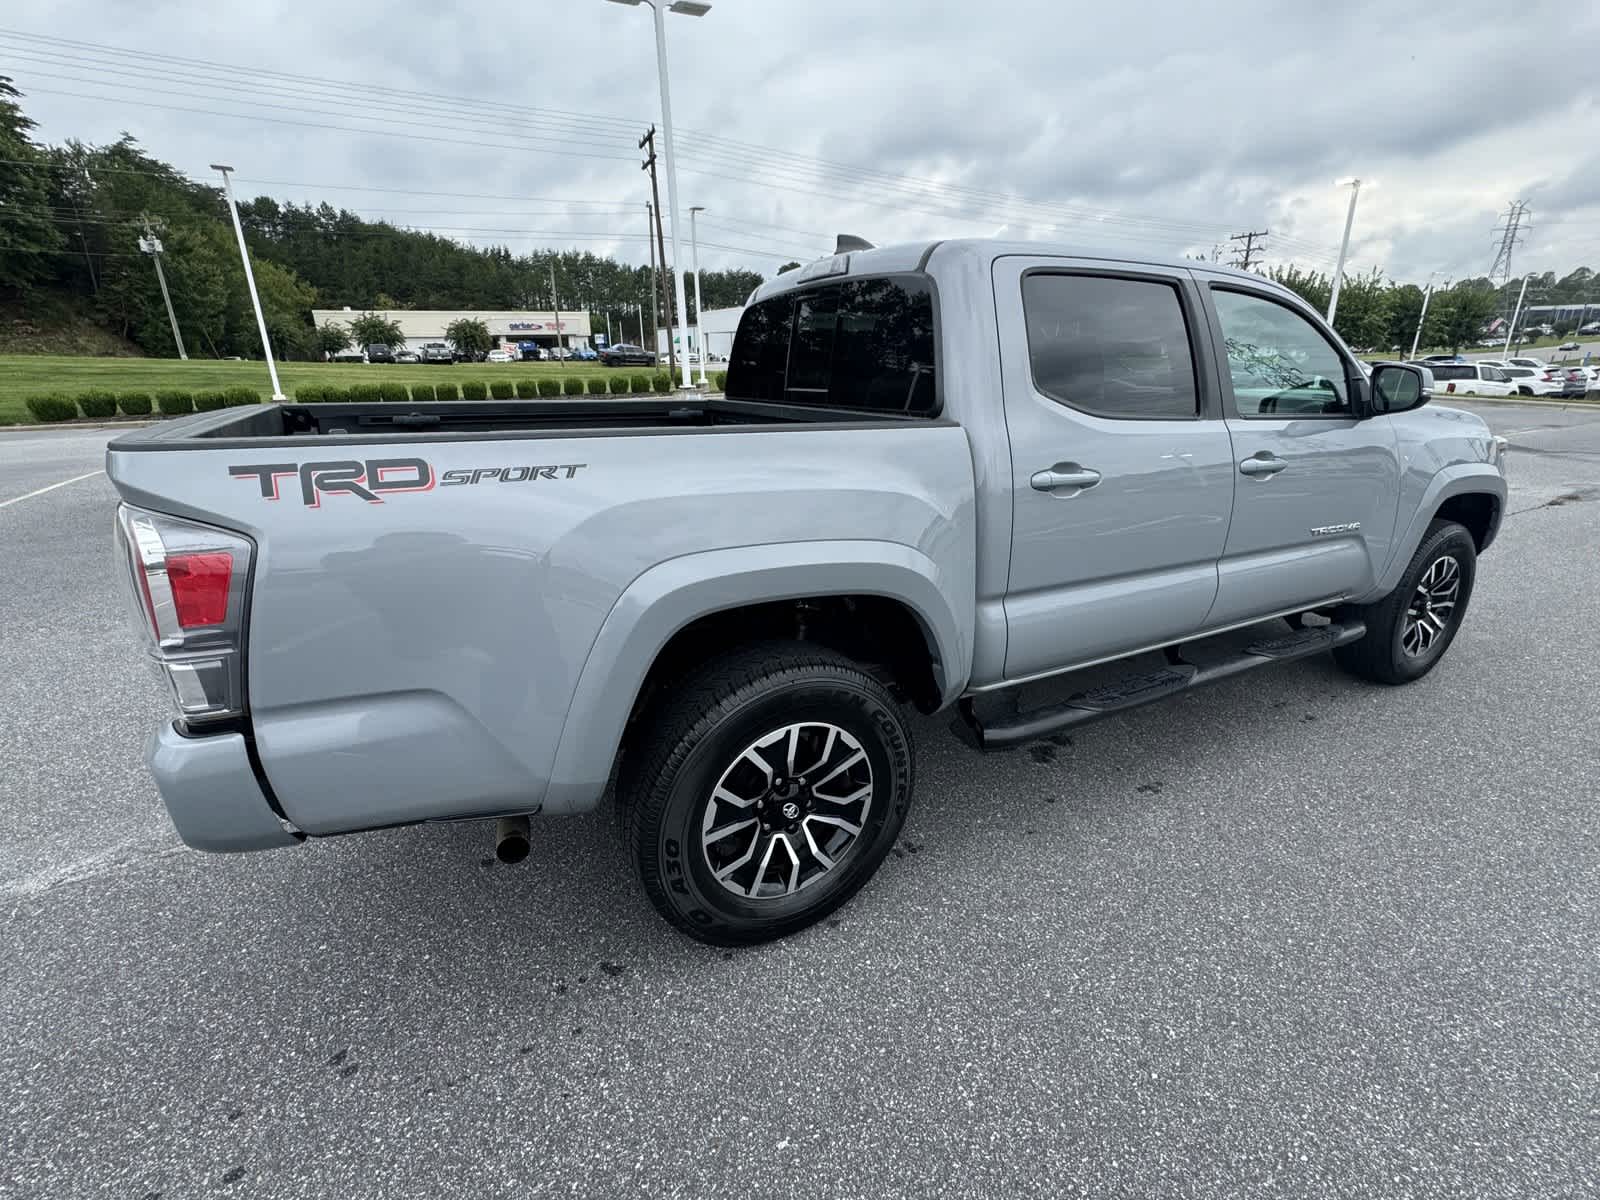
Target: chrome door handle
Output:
{"points": [[1262, 464], [1064, 475]]}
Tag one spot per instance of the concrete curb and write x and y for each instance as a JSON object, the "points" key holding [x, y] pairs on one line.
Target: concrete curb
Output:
{"points": [[1518, 401], [79, 426]]}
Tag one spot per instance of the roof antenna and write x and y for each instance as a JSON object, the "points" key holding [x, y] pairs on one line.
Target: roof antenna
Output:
{"points": [[849, 241]]}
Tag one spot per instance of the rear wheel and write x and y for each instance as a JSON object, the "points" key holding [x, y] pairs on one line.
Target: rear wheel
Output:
{"points": [[1409, 630], [765, 791]]}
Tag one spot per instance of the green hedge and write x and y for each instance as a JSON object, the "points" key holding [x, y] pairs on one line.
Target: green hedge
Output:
{"points": [[572, 386], [719, 380], [57, 406], [208, 400], [474, 389], [620, 385], [365, 393], [599, 385], [98, 404], [336, 395], [549, 387], [174, 403], [134, 404], [527, 389], [638, 384], [393, 393], [447, 391], [502, 389], [310, 393], [422, 393], [238, 397], [661, 381]]}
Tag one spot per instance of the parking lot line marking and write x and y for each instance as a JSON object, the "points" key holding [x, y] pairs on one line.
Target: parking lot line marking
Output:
{"points": [[49, 488]]}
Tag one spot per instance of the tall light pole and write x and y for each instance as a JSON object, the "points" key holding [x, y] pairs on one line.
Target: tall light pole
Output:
{"points": [[688, 8], [555, 305], [1344, 246], [250, 278], [1423, 316], [694, 262], [1515, 313]]}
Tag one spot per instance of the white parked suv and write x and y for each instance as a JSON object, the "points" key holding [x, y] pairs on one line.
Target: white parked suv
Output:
{"points": [[1471, 379], [1528, 376]]}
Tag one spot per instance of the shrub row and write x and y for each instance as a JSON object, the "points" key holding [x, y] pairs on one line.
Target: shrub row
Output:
{"points": [[98, 404], [546, 387]]}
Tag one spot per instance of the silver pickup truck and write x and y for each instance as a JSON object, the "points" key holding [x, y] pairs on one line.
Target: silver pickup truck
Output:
{"points": [[941, 474]]}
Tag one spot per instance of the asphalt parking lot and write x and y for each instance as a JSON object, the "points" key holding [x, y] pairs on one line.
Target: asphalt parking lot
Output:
{"points": [[1289, 936]]}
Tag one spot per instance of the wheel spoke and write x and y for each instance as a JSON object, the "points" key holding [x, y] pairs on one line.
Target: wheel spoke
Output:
{"points": [[849, 827], [727, 831], [858, 756]]}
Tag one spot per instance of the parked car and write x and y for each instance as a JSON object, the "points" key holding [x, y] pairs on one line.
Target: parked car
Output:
{"points": [[1574, 381], [1569, 346], [500, 355], [1014, 490], [1471, 379], [1593, 372], [1441, 358], [1591, 327], [585, 354], [437, 352], [1529, 382], [1537, 364], [379, 353], [350, 354], [407, 356], [626, 354]]}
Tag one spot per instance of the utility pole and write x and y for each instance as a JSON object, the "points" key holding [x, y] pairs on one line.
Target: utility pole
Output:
{"points": [[655, 288], [555, 304], [1423, 316], [250, 279], [639, 311], [649, 164], [1245, 258], [1510, 233], [1511, 329], [151, 244], [1344, 248], [694, 263]]}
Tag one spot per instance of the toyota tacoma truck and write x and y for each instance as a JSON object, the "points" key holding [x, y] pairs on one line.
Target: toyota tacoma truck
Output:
{"points": [[951, 477]]}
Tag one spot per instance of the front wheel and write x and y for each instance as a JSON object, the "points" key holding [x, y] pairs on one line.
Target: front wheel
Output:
{"points": [[1409, 630], [765, 791]]}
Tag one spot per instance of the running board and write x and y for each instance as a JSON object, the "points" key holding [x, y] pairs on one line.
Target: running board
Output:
{"points": [[1147, 687]]}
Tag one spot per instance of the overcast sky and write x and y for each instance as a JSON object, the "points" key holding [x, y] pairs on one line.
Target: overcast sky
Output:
{"points": [[1160, 127]]}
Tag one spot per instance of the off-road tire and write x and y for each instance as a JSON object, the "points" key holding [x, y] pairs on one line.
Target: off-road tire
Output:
{"points": [[1379, 656], [700, 725]]}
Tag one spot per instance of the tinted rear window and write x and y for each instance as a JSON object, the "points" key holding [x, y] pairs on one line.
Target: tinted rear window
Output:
{"points": [[1453, 371], [863, 344]]}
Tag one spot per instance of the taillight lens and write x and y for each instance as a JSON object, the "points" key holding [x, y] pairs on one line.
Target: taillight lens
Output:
{"points": [[188, 589]]}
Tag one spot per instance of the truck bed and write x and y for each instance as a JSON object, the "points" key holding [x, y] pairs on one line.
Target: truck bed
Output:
{"points": [[292, 424]]}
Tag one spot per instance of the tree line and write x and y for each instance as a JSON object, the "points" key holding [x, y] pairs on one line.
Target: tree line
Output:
{"points": [[71, 217]]}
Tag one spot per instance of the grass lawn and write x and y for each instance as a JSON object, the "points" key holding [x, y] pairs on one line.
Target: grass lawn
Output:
{"points": [[24, 375]]}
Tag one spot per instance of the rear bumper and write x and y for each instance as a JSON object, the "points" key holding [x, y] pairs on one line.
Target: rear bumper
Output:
{"points": [[211, 792]]}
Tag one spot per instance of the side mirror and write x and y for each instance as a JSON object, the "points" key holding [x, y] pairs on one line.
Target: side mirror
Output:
{"points": [[1400, 387]]}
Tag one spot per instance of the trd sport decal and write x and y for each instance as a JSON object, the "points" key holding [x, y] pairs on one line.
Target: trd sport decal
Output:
{"points": [[377, 477]]}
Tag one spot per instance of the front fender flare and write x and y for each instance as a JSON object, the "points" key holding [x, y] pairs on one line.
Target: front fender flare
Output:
{"points": [[670, 595], [1458, 480]]}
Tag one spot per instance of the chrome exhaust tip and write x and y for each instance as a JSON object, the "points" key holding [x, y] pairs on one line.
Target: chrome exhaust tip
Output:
{"points": [[511, 839]]}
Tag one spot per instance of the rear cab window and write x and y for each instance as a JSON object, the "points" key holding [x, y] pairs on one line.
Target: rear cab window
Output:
{"points": [[866, 345]]}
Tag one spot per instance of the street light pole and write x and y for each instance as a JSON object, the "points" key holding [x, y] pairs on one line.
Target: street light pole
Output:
{"points": [[555, 305], [1423, 316], [694, 262], [1344, 247], [250, 278], [688, 8], [1511, 329]]}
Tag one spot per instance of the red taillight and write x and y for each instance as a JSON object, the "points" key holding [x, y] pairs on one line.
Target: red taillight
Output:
{"points": [[200, 587], [1546, 378]]}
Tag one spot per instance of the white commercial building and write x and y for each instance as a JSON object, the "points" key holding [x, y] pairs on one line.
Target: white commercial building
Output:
{"points": [[508, 329], [717, 324]]}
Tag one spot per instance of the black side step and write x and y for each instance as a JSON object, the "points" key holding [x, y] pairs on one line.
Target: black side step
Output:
{"points": [[1134, 690]]}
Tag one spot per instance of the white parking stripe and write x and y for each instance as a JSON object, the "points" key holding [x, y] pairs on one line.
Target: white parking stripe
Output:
{"points": [[50, 488]]}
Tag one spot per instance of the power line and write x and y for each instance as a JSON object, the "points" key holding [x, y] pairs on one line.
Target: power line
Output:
{"points": [[1510, 233]]}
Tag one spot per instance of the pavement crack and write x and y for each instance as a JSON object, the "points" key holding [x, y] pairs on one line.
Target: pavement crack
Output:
{"points": [[109, 861]]}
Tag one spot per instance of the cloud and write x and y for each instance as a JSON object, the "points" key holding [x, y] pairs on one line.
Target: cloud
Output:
{"points": [[1161, 126]]}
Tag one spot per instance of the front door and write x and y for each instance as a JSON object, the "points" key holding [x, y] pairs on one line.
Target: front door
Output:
{"points": [[1122, 471], [1318, 486]]}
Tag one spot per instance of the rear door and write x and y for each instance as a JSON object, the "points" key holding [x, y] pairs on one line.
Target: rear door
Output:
{"points": [[1122, 473], [1318, 487]]}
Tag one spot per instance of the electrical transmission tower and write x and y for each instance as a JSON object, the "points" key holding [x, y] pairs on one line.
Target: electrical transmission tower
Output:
{"points": [[1250, 253], [1513, 231]]}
